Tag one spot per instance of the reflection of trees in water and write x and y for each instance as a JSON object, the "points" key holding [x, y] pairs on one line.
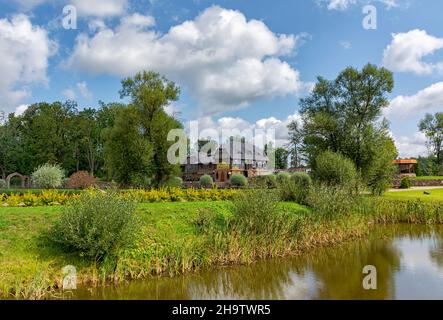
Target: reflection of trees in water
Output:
{"points": [[337, 271], [436, 251], [259, 281]]}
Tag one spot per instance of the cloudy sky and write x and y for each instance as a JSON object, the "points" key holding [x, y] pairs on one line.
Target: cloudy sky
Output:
{"points": [[240, 64]]}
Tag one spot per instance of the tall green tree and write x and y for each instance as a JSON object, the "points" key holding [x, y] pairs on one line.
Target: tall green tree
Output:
{"points": [[281, 158], [432, 127], [149, 93], [48, 135], [127, 153]]}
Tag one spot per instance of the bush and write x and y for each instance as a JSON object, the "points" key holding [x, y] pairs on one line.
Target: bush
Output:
{"points": [[96, 225], [333, 169], [282, 177], [81, 180], [48, 176], [267, 181], [174, 182], [3, 184], [296, 188], [206, 181], [238, 180], [405, 183]]}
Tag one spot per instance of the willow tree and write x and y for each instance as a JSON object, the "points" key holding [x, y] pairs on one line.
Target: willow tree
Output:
{"points": [[149, 94]]}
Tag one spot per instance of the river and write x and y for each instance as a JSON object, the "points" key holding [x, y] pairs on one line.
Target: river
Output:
{"points": [[408, 260]]}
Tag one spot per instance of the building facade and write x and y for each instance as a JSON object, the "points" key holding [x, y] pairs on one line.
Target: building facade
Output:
{"points": [[226, 160]]}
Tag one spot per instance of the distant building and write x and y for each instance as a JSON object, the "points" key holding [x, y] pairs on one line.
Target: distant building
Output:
{"points": [[406, 167], [249, 160]]}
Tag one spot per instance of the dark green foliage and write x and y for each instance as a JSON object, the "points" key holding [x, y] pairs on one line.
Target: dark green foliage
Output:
{"points": [[281, 159], [334, 169], [174, 182], [381, 174], [343, 116], [296, 188], [128, 155], [206, 181], [405, 183], [267, 181], [238, 180], [282, 177], [96, 225], [432, 127]]}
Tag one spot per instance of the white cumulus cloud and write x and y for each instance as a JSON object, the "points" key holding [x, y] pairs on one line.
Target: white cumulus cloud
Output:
{"points": [[429, 99], [411, 146], [406, 52], [225, 60], [24, 53]]}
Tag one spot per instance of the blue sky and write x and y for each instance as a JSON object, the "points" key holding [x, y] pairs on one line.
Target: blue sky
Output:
{"points": [[241, 63]]}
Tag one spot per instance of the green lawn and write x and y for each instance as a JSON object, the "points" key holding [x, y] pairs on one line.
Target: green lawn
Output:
{"points": [[435, 195]]}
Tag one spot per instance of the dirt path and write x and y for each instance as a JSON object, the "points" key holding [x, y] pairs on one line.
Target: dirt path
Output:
{"points": [[415, 188]]}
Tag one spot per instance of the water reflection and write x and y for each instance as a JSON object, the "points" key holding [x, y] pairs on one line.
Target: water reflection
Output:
{"points": [[409, 262]]}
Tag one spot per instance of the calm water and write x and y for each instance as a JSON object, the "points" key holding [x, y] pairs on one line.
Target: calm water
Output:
{"points": [[409, 262]]}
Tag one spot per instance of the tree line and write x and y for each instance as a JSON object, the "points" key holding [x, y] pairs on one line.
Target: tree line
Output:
{"points": [[122, 142]]}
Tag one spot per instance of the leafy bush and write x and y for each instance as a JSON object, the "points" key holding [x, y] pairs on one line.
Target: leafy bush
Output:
{"points": [[267, 181], [282, 177], [174, 182], [206, 181], [296, 188], [96, 225], [333, 169], [405, 183], [48, 176], [238, 180], [81, 180], [3, 183]]}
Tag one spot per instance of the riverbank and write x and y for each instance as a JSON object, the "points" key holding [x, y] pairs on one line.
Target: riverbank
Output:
{"points": [[182, 237]]}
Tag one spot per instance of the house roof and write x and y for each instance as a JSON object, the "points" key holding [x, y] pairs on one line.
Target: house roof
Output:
{"points": [[405, 161], [248, 152]]}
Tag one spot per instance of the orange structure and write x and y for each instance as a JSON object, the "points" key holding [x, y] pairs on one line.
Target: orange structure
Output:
{"points": [[406, 167]]}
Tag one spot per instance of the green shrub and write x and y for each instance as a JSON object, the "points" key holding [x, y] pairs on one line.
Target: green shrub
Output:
{"points": [[296, 188], [48, 176], [334, 169], [206, 181], [3, 184], [282, 177], [267, 181], [238, 180], [96, 225], [405, 183], [174, 182]]}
